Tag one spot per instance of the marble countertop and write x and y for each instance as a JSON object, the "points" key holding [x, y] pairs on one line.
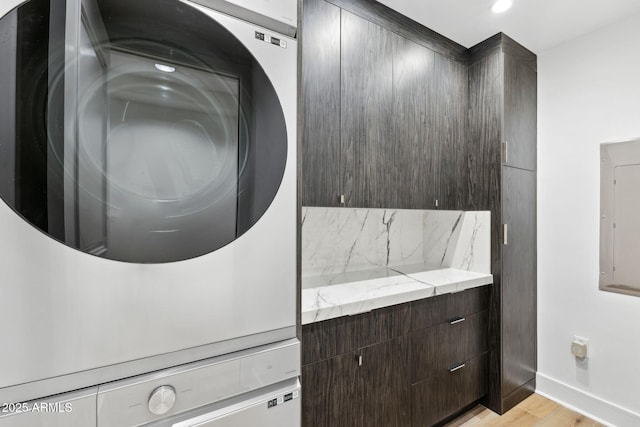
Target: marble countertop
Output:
{"points": [[358, 292]]}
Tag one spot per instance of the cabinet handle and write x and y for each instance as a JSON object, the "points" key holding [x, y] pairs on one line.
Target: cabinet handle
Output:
{"points": [[359, 359], [342, 203], [505, 231], [458, 320], [460, 366], [505, 153]]}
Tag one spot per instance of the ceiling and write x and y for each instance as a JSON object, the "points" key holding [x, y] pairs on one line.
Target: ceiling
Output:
{"points": [[537, 24]]}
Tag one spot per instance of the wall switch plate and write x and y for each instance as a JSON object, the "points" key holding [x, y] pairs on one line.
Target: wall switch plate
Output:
{"points": [[579, 347]]}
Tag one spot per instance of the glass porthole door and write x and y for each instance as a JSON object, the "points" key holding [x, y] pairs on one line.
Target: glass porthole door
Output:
{"points": [[139, 131]]}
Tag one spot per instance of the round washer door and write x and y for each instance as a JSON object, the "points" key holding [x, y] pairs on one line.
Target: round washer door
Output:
{"points": [[139, 131]]}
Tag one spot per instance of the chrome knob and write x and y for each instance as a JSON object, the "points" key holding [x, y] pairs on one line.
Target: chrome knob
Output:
{"points": [[162, 400]]}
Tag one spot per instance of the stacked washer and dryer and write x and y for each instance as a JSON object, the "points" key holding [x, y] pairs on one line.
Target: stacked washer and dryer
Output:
{"points": [[148, 214]]}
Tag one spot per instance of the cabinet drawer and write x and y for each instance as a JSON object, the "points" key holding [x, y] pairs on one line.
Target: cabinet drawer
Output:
{"points": [[329, 338], [446, 393], [441, 347], [431, 311]]}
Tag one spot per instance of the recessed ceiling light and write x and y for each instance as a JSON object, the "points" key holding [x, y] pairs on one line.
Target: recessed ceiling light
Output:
{"points": [[165, 68], [501, 6]]}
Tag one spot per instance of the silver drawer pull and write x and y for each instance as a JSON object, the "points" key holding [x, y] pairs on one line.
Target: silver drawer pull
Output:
{"points": [[460, 366], [458, 320]]}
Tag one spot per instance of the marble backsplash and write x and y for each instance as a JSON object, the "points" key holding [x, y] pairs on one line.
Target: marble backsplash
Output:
{"points": [[348, 241]]}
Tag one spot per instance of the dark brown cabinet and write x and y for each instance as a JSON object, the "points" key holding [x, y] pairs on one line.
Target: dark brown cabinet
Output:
{"points": [[410, 364], [365, 387], [384, 374], [397, 116], [502, 120], [393, 134], [356, 369], [331, 392], [320, 104], [446, 393], [518, 279], [449, 359], [520, 104], [413, 95], [366, 112]]}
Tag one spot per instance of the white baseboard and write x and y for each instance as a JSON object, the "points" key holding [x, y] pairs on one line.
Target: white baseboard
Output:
{"points": [[587, 404]]}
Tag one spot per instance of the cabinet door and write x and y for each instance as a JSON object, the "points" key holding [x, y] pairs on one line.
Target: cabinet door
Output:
{"points": [[483, 151], [520, 91], [518, 279], [413, 136], [320, 104], [331, 393], [385, 383], [366, 113], [448, 123]]}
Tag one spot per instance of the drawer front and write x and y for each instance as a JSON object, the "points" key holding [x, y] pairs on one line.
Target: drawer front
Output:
{"points": [[329, 338], [461, 339], [443, 395], [439, 348], [432, 311]]}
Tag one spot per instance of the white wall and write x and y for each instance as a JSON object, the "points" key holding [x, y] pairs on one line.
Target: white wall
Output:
{"points": [[588, 93]]}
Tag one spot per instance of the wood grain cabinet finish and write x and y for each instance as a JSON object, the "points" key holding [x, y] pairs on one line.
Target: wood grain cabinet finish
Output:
{"points": [[518, 279], [448, 124], [385, 384], [332, 393], [443, 395], [502, 122], [375, 369], [394, 115], [320, 104], [520, 104], [383, 116], [414, 101], [449, 359], [355, 369], [448, 345], [445, 308], [366, 112]]}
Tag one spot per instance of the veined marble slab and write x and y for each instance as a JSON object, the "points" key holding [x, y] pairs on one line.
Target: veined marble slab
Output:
{"points": [[350, 298], [357, 260], [340, 240], [472, 251], [343, 240]]}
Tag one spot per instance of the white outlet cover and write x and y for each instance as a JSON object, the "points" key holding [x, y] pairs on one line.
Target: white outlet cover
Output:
{"points": [[580, 347]]}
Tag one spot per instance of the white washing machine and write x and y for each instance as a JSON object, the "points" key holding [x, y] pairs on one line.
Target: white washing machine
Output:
{"points": [[148, 185]]}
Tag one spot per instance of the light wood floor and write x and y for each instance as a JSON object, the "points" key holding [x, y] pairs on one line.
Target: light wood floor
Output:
{"points": [[533, 411]]}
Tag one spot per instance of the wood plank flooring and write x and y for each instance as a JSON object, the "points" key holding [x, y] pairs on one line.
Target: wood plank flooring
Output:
{"points": [[534, 411]]}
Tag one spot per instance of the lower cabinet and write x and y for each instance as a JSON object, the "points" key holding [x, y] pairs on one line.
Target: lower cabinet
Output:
{"points": [[364, 388], [447, 392], [330, 393], [414, 364], [384, 377]]}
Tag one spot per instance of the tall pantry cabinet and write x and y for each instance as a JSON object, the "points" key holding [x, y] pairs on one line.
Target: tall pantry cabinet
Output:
{"points": [[502, 127]]}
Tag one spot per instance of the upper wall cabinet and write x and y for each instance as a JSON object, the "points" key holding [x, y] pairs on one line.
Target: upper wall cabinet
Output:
{"points": [[320, 109], [520, 94], [368, 164], [384, 117]]}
